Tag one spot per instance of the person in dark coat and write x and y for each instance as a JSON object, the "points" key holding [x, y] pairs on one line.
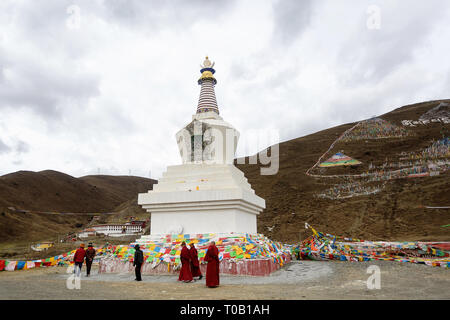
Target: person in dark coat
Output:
{"points": [[185, 272], [90, 254], [78, 259], [195, 266], [212, 269], [138, 261]]}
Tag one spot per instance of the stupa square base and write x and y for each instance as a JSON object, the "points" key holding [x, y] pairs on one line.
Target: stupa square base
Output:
{"points": [[216, 218], [202, 198]]}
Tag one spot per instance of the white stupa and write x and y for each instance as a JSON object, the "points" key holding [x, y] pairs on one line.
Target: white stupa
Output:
{"points": [[207, 193]]}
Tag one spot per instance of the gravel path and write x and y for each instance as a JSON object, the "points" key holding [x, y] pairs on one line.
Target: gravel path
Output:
{"points": [[297, 280]]}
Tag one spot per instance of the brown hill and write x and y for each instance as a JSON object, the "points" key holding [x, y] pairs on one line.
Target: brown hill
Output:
{"points": [[122, 187], [395, 213], [58, 192], [128, 209], [52, 191]]}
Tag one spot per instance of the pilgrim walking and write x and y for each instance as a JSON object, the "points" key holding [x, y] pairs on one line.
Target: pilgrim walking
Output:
{"points": [[212, 269], [138, 261], [195, 266], [185, 272], [90, 254], [78, 259]]}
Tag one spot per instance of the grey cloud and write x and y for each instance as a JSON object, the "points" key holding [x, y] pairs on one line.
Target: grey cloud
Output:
{"points": [[46, 25], [46, 86], [3, 64], [359, 104], [291, 18], [446, 86], [2, 74], [4, 148], [173, 14], [115, 122], [22, 147], [371, 55], [45, 18], [245, 69], [45, 91]]}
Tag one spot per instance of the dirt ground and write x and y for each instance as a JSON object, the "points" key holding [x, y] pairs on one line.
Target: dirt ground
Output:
{"points": [[299, 280]]}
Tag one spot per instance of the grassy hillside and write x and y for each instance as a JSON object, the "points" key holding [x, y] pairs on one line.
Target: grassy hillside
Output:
{"points": [[395, 213], [52, 191], [122, 187], [55, 191]]}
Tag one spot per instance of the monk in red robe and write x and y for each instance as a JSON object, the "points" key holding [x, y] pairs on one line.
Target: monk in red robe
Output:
{"points": [[185, 273], [195, 266], [212, 270]]}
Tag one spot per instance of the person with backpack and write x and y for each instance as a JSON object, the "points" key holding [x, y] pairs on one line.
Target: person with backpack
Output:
{"points": [[78, 259]]}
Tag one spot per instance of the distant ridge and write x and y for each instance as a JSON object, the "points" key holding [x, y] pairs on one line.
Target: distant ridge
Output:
{"points": [[50, 190]]}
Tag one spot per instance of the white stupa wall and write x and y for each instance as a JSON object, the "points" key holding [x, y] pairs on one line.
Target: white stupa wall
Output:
{"points": [[204, 221]]}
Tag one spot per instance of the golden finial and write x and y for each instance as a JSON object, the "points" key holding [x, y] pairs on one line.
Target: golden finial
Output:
{"points": [[207, 63]]}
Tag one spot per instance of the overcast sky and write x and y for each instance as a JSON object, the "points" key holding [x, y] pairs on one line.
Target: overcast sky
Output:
{"points": [[90, 86]]}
